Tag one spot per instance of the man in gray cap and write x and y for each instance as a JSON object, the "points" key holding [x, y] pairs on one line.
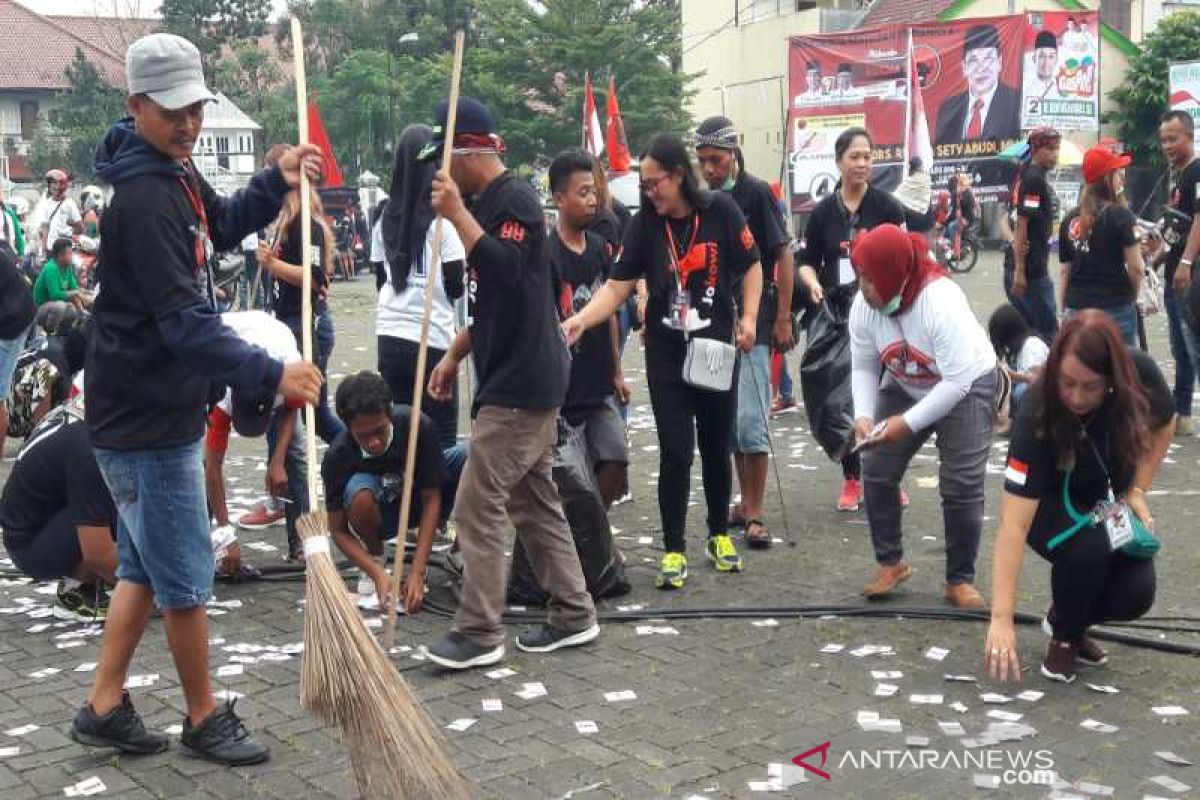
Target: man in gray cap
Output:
{"points": [[157, 346], [724, 169]]}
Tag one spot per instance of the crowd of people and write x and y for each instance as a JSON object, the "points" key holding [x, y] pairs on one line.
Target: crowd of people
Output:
{"points": [[125, 386]]}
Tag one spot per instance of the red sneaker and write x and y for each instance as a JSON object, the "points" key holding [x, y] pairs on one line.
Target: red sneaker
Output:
{"points": [[259, 518], [851, 497], [783, 404]]}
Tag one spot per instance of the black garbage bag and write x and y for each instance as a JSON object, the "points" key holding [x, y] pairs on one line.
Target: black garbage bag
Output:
{"points": [[825, 379], [576, 482]]}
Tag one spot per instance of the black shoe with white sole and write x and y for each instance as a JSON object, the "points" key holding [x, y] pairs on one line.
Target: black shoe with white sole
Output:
{"points": [[456, 651], [545, 639]]}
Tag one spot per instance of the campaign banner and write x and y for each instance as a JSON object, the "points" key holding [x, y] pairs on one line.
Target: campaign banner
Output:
{"points": [[1184, 80], [1061, 87], [968, 73]]}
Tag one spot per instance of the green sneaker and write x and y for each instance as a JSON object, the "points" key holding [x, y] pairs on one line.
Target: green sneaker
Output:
{"points": [[722, 554], [673, 571]]}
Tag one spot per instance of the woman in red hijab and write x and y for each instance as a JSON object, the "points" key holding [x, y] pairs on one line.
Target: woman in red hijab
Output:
{"points": [[914, 325]]}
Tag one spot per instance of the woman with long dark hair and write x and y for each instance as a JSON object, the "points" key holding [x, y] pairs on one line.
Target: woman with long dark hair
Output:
{"points": [[1020, 350], [825, 270], [1098, 245], [283, 261], [690, 246], [1094, 430], [403, 243]]}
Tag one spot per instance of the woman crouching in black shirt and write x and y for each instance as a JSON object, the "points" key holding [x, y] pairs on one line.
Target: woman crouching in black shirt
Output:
{"points": [[690, 246], [1099, 419]]}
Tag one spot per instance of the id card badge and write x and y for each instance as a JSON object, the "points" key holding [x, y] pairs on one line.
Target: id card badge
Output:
{"points": [[1118, 524], [846, 271], [677, 311]]}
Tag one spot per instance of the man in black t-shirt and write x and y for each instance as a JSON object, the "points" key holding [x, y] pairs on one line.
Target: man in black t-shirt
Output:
{"points": [[521, 360], [1027, 280], [1176, 136], [363, 473], [58, 517], [723, 167], [581, 261]]}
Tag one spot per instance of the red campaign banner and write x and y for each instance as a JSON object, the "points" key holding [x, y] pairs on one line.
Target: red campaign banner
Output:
{"points": [[1062, 71], [969, 72]]}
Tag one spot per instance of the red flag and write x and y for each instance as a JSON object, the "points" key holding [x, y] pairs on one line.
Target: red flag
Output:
{"points": [[618, 148], [592, 141], [330, 173]]}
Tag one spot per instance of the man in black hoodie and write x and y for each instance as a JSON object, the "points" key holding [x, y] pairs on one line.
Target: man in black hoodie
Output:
{"points": [[156, 351], [522, 364]]}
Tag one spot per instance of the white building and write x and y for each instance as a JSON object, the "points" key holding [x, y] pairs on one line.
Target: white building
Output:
{"points": [[225, 151]]}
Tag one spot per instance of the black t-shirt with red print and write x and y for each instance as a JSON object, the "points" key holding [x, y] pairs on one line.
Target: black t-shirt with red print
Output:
{"points": [[577, 278], [714, 247]]}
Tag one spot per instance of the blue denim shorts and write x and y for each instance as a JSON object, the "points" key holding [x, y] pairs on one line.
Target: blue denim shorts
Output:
{"points": [[753, 401], [10, 351], [163, 536], [388, 498]]}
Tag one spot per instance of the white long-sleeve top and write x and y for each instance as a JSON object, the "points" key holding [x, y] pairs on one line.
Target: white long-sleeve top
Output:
{"points": [[934, 350]]}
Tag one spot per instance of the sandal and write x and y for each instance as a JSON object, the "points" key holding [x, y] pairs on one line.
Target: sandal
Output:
{"points": [[737, 517], [757, 535]]}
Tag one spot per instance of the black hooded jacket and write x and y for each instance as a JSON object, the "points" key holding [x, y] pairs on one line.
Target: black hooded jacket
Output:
{"points": [[156, 343]]}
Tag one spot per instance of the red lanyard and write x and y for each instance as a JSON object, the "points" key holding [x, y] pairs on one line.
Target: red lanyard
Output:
{"points": [[201, 244], [673, 249]]}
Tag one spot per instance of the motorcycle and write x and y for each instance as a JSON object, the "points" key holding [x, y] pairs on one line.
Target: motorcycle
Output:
{"points": [[961, 254]]}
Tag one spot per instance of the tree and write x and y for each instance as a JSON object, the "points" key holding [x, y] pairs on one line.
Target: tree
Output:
{"points": [[1142, 97], [213, 25], [77, 120]]}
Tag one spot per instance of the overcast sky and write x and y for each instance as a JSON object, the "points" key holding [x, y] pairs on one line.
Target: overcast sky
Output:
{"points": [[109, 8]]}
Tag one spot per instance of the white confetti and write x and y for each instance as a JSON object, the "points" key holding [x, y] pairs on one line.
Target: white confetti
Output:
{"points": [[886, 689], [621, 696], [90, 786], [461, 725], [959, 678], [586, 726], [936, 653], [952, 728], [1103, 688], [531, 690], [886, 674], [1098, 727], [833, 648], [503, 672], [1170, 711], [765, 623], [21, 731], [493, 704], [992, 697], [1031, 695], [87, 666], [9, 752], [1005, 716], [1170, 784], [229, 670], [925, 699]]}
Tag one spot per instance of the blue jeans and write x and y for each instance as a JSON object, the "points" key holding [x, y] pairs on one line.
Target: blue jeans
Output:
{"points": [[10, 351], [163, 539], [1038, 306], [328, 425], [1124, 316], [454, 460], [753, 401], [1185, 373], [294, 465], [786, 390]]}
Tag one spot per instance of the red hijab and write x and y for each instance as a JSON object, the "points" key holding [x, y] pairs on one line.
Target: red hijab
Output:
{"points": [[895, 262]]}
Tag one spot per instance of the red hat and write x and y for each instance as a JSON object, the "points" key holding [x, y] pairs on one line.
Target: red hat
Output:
{"points": [[1098, 161]]}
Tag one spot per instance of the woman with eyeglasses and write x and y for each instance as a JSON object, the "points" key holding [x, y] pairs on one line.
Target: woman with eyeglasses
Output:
{"points": [[854, 206], [690, 246]]}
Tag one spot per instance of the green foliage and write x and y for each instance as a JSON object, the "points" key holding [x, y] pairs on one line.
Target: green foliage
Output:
{"points": [[1143, 96], [214, 24], [77, 120]]}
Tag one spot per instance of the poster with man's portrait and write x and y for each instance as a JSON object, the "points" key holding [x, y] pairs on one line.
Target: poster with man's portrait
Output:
{"points": [[1061, 87]]}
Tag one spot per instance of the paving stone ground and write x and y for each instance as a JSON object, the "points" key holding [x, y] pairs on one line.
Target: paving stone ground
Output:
{"points": [[716, 703]]}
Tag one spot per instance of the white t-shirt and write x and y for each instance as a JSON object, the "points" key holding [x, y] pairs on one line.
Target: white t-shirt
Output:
{"points": [[261, 330], [59, 219], [934, 350], [1033, 354], [400, 314]]}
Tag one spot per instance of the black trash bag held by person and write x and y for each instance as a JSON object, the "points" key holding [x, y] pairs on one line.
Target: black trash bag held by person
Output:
{"points": [[576, 482], [825, 380]]}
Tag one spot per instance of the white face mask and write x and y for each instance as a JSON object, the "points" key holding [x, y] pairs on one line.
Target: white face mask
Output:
{"points": [[391, 438]]}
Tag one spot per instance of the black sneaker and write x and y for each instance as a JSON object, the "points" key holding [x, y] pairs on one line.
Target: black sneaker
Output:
{"points": [[84, 603], [121, 728], [456, 651], [545, 639], [222, 738]]}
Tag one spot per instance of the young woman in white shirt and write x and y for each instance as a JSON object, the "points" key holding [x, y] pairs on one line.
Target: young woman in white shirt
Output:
{"points": [[939, 376]]}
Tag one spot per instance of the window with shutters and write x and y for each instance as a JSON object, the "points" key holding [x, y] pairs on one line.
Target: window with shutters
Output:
{"points": [[1117, 14]]}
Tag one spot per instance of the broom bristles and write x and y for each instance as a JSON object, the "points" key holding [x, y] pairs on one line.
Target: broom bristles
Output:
{"points": [[347, 680]]}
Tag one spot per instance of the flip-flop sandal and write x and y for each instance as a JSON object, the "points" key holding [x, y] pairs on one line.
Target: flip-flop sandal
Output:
{"points": [[757, 535]]}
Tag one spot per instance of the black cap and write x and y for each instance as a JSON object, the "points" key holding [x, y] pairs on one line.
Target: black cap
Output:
{"points": [[251, 413], [1045, 39], [473, 117]]}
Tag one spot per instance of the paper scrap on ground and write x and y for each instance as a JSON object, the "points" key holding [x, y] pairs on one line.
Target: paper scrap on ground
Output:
{"points": [[621, 696], [952, 728], [493, 704], [503, 672], [1032, 695], [833, 648], [660, 630], [958, 706], [173, 730], [886, 674], [960, 678], [1169, 783], [1172, 758], [917, 741], [987, 781], [993, 697], [21, 731], [886, 689], [90, 786], [461, 725], [87, 666], [531, 690], [226, 694], [1169, 711], [1098, 727], [936, 653], [765, 623], [586, 726], [45, 673], [1006, 716], [925, 699], [229, 670], [1094, 788], [9, 752]]}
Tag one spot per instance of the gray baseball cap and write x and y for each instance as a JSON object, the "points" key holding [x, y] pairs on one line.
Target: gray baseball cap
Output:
{"points": [[166, 68]]}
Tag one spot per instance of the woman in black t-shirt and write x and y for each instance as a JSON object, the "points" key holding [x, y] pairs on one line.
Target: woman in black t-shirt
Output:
{"points": [[690, 246], [283, 260], [825, 270], [1098, 245], [1096, 426]]}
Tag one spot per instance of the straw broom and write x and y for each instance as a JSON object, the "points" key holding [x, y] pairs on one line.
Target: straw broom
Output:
{"points": [[414, 426], [346, 678]]}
